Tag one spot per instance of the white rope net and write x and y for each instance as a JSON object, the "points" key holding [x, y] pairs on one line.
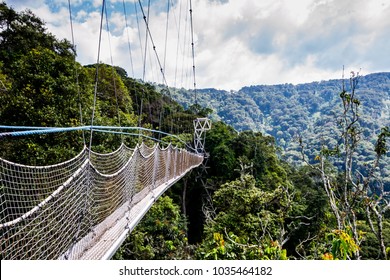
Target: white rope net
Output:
{"points": [[79, 208]]}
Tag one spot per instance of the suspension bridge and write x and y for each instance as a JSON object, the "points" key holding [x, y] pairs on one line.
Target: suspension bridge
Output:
{"points": [[84, 208]]}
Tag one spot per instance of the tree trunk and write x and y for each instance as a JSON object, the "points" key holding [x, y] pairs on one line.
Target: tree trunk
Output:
{"points": [[380, 237]]}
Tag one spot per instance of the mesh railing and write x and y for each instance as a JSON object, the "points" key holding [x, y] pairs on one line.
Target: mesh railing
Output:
{"points": [[62, 211]]}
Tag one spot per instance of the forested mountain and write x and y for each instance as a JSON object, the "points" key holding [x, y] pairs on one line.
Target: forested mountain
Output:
{"points": [[308, 110], [288, 108], [250, 202]]}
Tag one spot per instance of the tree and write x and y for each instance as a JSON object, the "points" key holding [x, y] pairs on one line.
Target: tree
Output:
{"points": [[197, 109], [249, 223], [312, 211], [377, 199], [352, 191], [41, 88], [21, 32]]}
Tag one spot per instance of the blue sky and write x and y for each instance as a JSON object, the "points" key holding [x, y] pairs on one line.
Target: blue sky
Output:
{"points": [[237, 42]]}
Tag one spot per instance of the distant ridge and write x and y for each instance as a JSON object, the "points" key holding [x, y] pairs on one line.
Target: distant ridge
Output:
{"points": [[308, 109]]}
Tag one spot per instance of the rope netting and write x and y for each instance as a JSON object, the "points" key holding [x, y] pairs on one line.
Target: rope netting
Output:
{"points": [[67, 210]]}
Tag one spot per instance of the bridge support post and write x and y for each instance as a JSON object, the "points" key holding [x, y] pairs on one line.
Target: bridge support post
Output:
{"points": [[201, 125]]}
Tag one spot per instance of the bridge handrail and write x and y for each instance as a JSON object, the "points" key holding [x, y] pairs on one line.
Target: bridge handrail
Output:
{"points": [[46, 200], [39, 206]]}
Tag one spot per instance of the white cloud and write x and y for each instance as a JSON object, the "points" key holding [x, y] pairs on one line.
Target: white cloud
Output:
{"points": [[296, 45], [22, 4], [237, 42]]}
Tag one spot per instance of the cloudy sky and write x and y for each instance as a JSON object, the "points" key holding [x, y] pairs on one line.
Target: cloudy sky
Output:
{"points": [[237, 42]]}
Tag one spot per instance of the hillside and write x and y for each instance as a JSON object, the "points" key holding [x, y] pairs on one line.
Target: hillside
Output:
{"points": [[285, 111], [288, 108]]}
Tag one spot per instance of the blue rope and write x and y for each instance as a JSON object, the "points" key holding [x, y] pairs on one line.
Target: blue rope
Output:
{"points": [[61, 129], [36, 130], [23, 127], [40, 130]]}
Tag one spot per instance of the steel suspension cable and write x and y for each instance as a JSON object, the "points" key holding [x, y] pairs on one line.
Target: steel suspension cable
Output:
{"points": [[146, 19], [178, 42], [96, 74], [113, 70], [166, 33], [149, 34], [140, 108], [139, 31], [165, 56], [128, 39], [184, 47], [84, 211], [152, 41], [193, 51], [131, 56], [76, 71]]}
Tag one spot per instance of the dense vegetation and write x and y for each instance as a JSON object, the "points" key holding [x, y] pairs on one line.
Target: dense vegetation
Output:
{"points": [[250, 203], [286, 111]]}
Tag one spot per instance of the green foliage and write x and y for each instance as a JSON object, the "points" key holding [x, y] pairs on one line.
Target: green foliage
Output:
{"points": [[238, 248], [222, 158], [113, 107], [307, 241], [5, 84], [112, 94], [21, 32], [197, 109], [247, 224], [38, 75], [380, 146], [369, 246], [230, 152], [185, 139], [353, 193], [156, 107], [343, 245], [285, 111], [178, 122]]}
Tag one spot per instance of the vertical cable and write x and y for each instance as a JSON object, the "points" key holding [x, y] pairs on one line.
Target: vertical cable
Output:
{"points": [[76, 71], [96, 76], [113, 72], [193, 51], [148, 32], [165, 56], [178, 44], [130, 53], [139, 31], [184, 47], [140, 107], [128, 39], [166, 33], [89, 180], [144, 61], [146, 19]]}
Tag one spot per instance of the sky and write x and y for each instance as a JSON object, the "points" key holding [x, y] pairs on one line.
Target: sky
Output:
{"points": [[237, 43]]}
